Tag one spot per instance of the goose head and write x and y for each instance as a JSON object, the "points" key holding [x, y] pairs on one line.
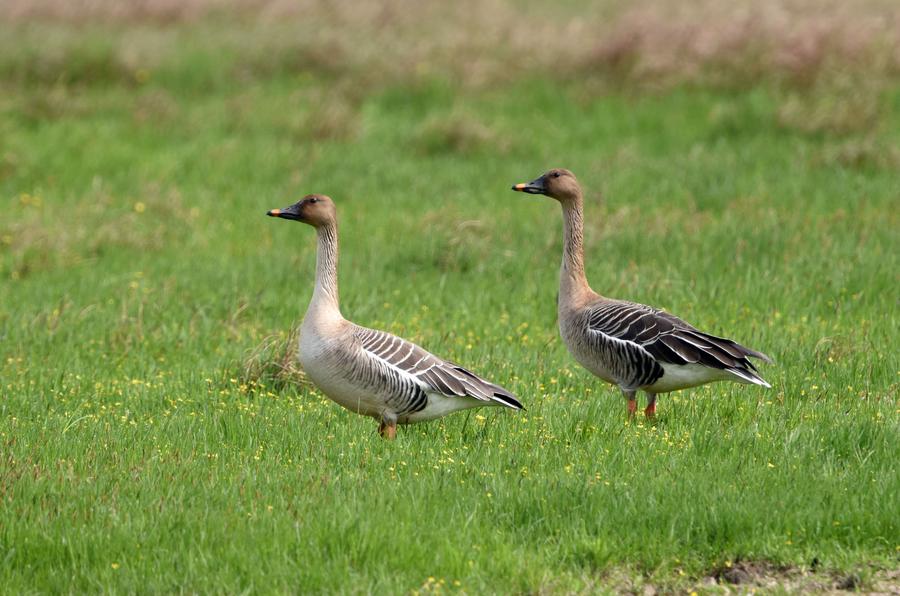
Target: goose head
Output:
{"points": [[558, 183], [315, 210]]}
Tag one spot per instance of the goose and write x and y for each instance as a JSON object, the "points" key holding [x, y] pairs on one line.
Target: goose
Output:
{"points": [[372, 372], [633, 346]]}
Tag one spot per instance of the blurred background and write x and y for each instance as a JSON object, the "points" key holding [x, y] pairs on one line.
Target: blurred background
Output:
{"points": [[653, 42]]}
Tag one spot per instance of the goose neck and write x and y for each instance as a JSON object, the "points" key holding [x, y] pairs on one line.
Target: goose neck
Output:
{"points": [[325, 295], [572, 278]]}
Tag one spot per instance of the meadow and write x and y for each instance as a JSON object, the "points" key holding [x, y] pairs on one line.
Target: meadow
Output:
{"points": [[157, 436]]}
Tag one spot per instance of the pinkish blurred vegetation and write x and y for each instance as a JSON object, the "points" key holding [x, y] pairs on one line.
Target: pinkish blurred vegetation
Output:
{"points": [[650, 42]]}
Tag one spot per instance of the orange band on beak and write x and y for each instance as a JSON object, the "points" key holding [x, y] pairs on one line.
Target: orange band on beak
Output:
{"points": [[275, 212], [520, 186]]}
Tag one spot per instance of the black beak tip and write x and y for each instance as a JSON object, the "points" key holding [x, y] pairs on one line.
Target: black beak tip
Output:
{"points": [[535, 187]]}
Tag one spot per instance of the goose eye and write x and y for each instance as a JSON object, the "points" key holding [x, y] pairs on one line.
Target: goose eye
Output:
{"points": [[556, 174], [314, 200]]}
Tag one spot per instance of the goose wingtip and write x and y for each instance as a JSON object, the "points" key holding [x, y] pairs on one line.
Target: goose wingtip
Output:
{"points": [[509, 400]]}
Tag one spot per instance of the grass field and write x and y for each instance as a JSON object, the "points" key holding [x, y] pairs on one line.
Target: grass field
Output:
{"points": [[156, 436]]}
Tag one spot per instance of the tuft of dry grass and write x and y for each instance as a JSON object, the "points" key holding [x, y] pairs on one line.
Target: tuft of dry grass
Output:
{"points": [[842, 104], [458, 133], [273, 364], [866, 152], [333, 115], [458, 247]]}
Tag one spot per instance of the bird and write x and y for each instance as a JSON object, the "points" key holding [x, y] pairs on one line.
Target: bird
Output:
{"points": [[631, 345], [372, 372]]}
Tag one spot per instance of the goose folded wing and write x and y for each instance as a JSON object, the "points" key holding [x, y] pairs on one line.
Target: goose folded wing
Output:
{"points": [[434, 373], [669, 339]]}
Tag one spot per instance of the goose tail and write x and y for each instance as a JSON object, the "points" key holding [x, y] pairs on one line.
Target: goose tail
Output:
{"points": [[745, 370]]}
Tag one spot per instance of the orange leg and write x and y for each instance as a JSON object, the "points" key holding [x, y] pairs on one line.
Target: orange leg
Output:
{"points": [[631, 396], [650, 410], [388, 430], [632, 403], [632, 407]]}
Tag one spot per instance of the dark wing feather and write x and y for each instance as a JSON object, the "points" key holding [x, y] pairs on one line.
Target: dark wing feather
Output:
{"points": [[670, 340], [437, 374]]}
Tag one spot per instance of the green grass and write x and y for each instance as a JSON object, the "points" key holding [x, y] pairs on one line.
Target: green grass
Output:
{"points": [[141, 451]]}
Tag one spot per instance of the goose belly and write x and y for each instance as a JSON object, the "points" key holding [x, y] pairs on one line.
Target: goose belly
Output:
{"points": [[586, 356], [440, 405], [595, 365], [348, 396], [677, 376], [323, 366]]}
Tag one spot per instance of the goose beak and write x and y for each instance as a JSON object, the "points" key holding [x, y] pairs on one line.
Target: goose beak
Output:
{"points": [[292, 212], [535, 187]]}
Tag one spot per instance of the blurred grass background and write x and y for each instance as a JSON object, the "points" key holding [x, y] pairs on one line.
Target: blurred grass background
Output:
{"points": [[741, 162]]}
